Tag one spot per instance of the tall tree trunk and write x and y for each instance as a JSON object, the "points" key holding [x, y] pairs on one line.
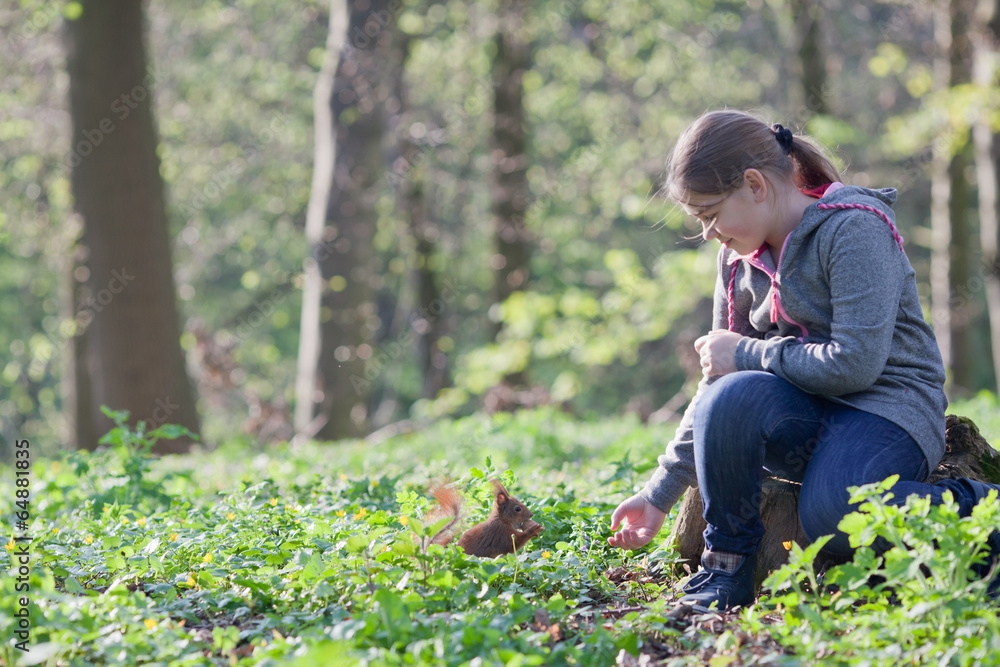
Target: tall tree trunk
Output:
{"points": [[324, 158], [808, 14], [949, 203], [131, 356], [510, 183], [345, 366], [410, 177], [987, 152]]}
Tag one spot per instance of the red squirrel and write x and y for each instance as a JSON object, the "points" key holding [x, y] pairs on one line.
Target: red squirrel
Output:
{"points": [[508, 527]]}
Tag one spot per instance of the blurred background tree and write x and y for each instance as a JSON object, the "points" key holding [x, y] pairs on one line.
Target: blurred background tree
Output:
{"points": [[126, 348], [608, 289]]}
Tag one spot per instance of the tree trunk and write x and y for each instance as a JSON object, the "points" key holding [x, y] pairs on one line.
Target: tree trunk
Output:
{"points": [[510, 163], [347, 367], [967, 455], [131, 357], [950, 306], [808, 15], [324, 158], [411, 180], [987, 153]]}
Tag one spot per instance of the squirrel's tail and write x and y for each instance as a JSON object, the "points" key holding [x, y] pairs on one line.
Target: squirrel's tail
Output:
{"points": [[449, 504]]}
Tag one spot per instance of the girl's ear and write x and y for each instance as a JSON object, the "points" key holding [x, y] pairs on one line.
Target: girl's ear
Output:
{"points": [[757, 183]]}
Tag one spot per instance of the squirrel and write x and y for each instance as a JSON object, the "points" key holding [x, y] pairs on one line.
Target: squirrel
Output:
{"points": [[508, 527]]}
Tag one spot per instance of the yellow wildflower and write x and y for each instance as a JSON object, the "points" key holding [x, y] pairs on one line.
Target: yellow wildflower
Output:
{"points": [[404, 520], [124, 521], [10, 545], [88, 539], [361, 514], [230, 516], [173, 537], [207, 558], [787, 545], [274, 502], [55, 530], [374, 482], [338, 513], [191, 581], [150, 623], [141, 521], [546, 554], [343, 477]]}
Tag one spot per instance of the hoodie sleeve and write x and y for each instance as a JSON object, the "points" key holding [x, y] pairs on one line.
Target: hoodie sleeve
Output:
{"points": [[675, 471], [865, 280]]}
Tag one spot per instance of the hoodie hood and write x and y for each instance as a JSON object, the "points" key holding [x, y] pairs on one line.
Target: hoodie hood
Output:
{"points": [[845, 198]]}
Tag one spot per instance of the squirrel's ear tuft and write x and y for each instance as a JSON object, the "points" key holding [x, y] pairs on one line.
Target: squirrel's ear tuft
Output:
{"points": [[498, 487]]}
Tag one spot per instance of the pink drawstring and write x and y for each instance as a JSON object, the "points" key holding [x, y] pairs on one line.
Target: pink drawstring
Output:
{"points": [[732, 281], [872, 209], [775, 299]]}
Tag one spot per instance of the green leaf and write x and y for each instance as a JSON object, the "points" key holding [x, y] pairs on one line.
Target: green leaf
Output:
{"points": [[170, 432], [357, 543], [151, 546], [556, 603]]}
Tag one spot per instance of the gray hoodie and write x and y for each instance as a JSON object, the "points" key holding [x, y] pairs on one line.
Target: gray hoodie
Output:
{"points": [[839, 317]]}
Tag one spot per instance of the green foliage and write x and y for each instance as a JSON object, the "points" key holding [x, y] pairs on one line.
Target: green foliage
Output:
{"points": [[609, 88], [917, 603], [300, 553], [313, 555], [565, 339]]}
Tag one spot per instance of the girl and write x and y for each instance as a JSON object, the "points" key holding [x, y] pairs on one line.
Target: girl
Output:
{"points": [[820, 366]]}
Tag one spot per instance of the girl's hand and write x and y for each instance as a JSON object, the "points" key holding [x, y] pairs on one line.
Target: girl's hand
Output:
{"points": [[642, 522], [717, 350]]}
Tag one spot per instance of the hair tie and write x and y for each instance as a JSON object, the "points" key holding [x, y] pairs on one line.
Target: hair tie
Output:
{"points": [[784, 137]]}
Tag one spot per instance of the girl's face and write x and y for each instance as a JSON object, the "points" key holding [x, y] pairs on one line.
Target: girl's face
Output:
{"points": [[737, 220]]}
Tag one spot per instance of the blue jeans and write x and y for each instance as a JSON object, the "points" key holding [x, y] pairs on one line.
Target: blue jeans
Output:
{"points": [[751, 420]]}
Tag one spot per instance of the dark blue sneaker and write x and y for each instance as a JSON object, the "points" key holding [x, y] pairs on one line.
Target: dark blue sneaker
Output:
{"points": [[725, 590]]}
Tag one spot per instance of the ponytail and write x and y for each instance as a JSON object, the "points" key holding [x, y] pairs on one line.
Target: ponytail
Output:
{"points": [[812, 167], [712, 154]]}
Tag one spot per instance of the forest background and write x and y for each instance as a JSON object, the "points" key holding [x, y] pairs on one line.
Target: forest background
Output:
{"points": [[362, 214]]}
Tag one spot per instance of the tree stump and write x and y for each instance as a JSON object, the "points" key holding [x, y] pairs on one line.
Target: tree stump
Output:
{"points": [[967, 455]]}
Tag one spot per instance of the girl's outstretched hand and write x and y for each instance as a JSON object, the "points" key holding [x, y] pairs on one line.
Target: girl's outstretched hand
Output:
{"points": [[642, 522]]}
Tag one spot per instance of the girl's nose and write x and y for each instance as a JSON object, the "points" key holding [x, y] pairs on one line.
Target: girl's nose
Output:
{"points": [[708, 232]]}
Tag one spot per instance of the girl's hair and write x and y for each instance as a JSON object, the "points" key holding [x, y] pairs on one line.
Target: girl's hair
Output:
{"points": [[712, 154]]}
